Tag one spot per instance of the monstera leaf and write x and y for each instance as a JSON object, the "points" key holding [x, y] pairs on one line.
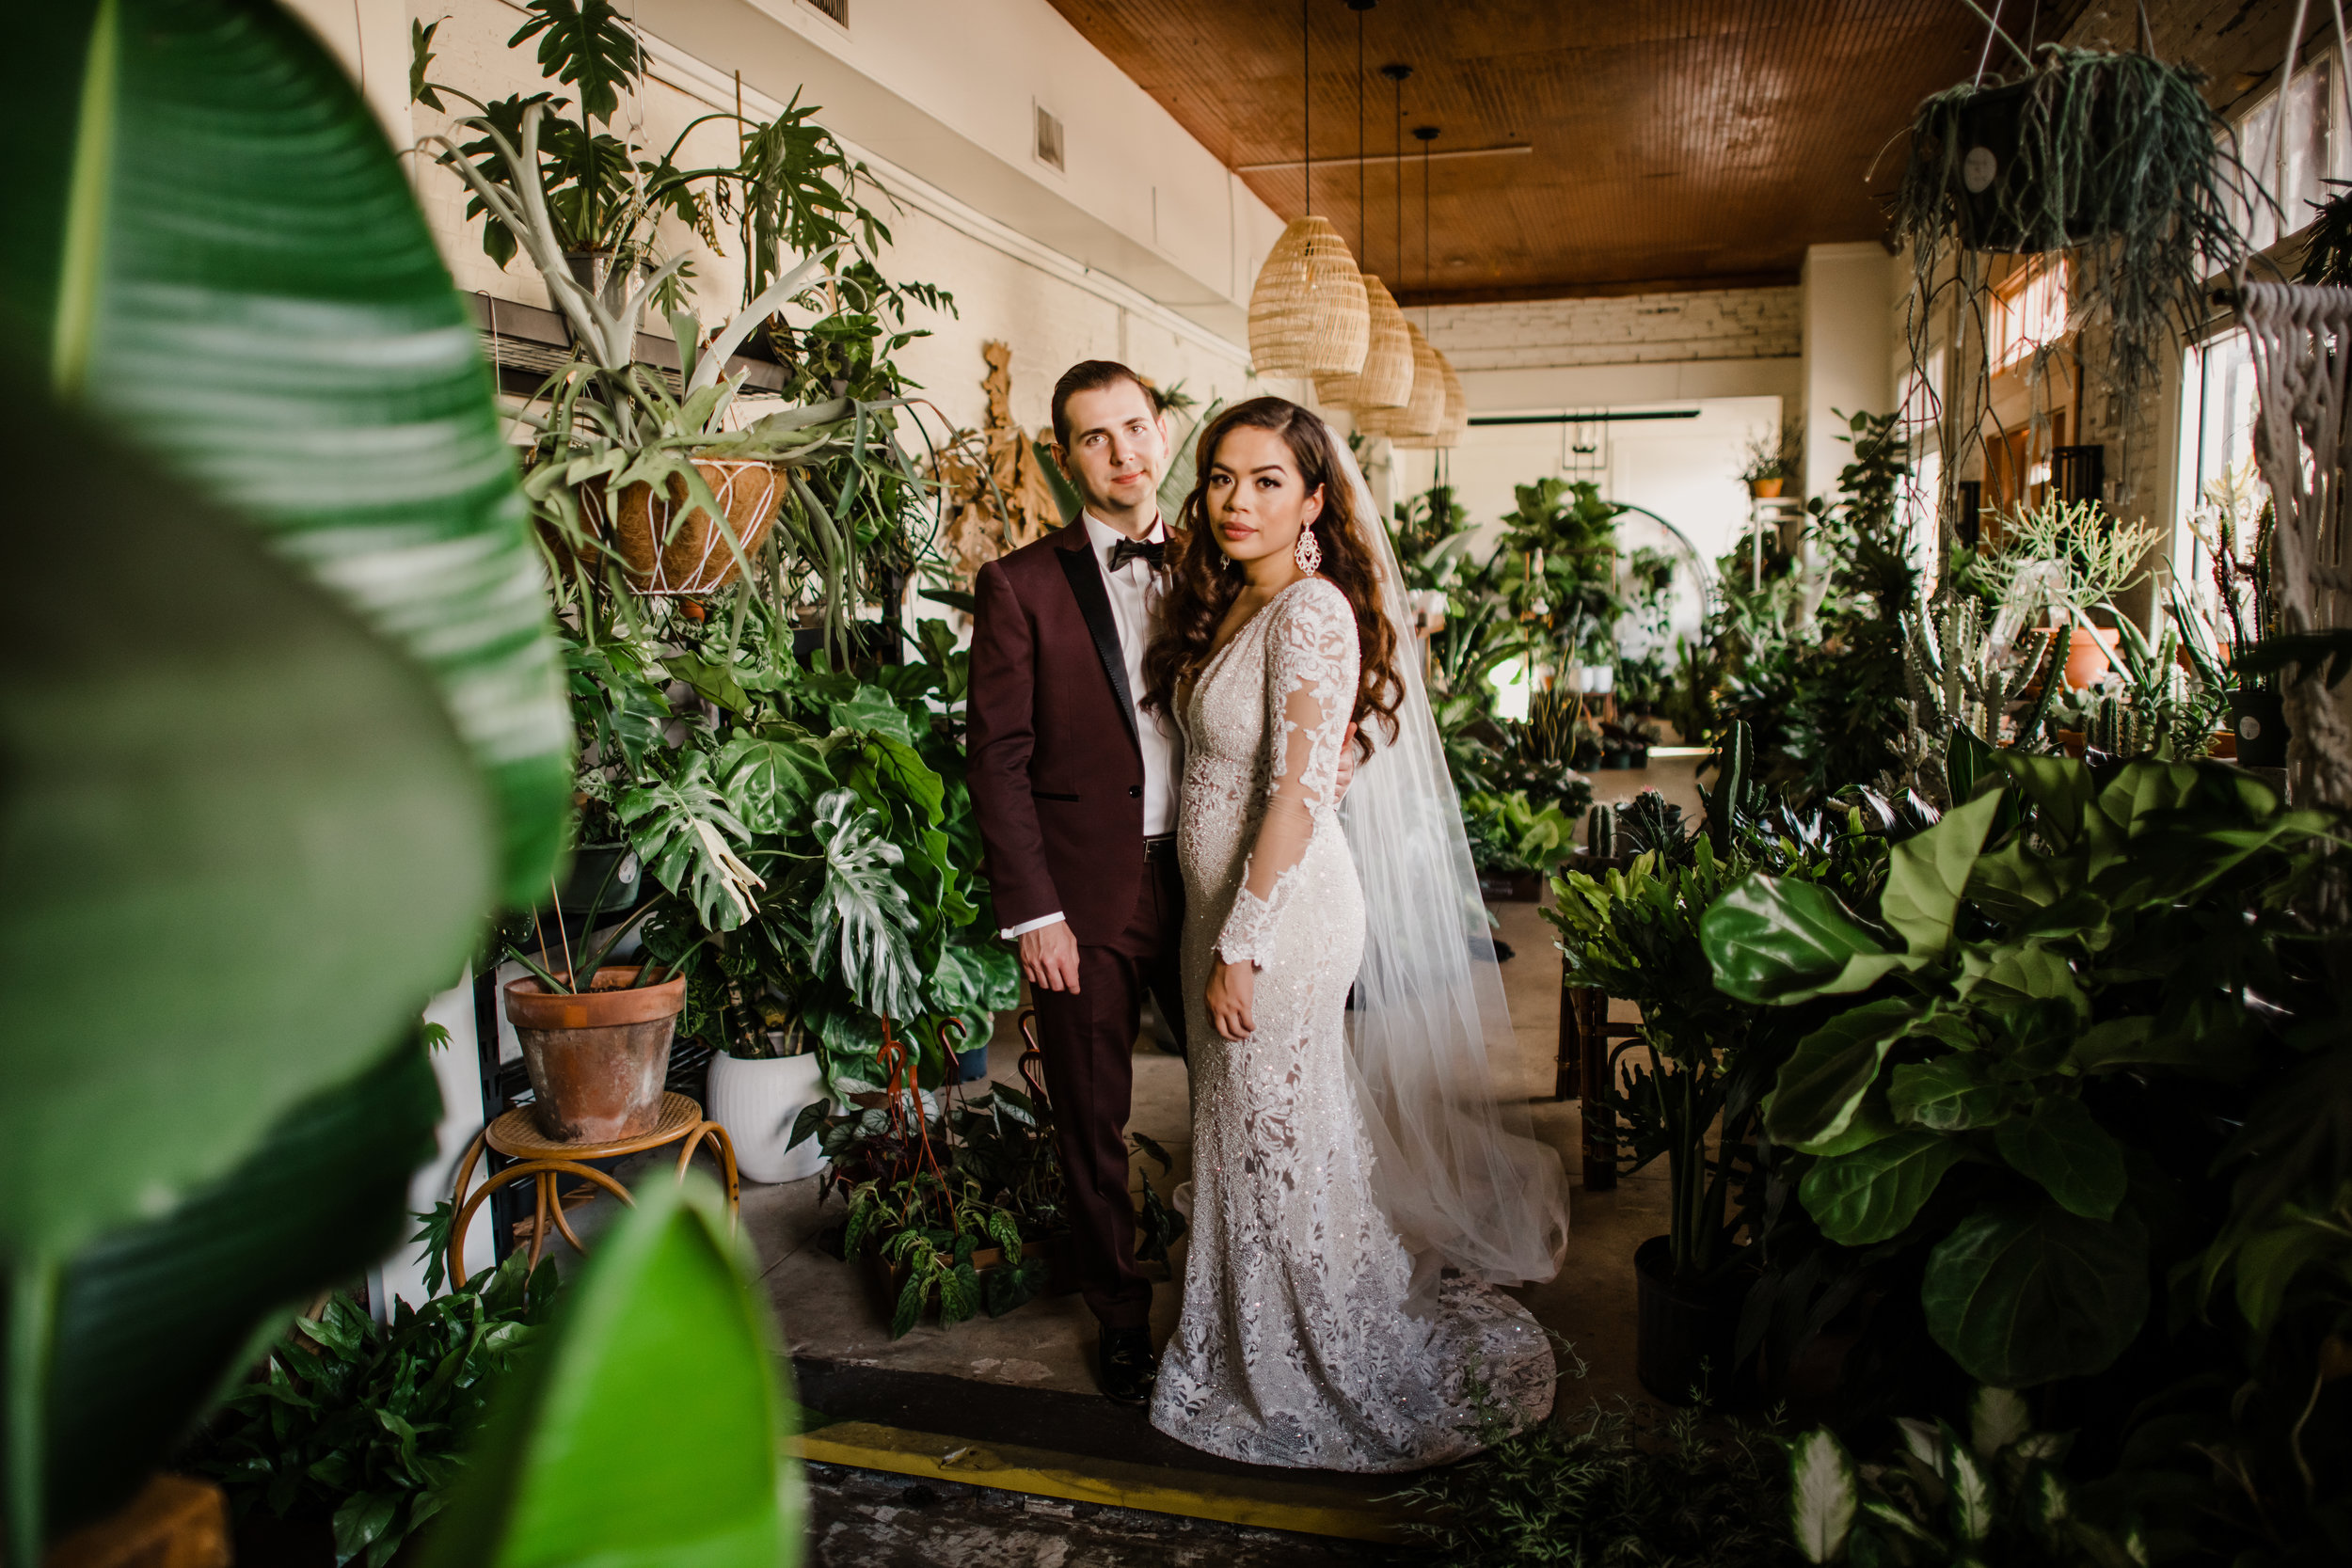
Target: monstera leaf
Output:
{"points": [[863, 921], [683, 831], [206, 229]]}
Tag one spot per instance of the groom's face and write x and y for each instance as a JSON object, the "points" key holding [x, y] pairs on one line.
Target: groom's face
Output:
{"points": [[1118, 449]]}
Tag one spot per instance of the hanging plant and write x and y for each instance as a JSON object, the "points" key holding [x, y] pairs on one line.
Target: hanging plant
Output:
{"points": [[2114, 159]]}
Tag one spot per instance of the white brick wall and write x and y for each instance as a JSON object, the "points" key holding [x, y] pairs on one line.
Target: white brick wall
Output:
{"points": [[1728, 324]]}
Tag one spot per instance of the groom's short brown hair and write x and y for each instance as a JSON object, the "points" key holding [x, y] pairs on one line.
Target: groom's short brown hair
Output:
{"points": [[1091, 375]]}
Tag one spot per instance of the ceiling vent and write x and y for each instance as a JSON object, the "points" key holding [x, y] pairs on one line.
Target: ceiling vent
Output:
{"points": [[837, 10], [1049, 140]]}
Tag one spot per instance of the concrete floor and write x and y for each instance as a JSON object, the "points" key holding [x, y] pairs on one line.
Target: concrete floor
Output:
{"points": [[828, 1311]]}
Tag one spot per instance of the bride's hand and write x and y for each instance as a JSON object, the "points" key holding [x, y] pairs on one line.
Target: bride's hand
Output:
{"points": [[1230, 991]]}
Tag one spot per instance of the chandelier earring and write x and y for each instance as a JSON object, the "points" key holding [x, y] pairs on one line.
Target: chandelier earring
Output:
{"points": [[1307, 552]]}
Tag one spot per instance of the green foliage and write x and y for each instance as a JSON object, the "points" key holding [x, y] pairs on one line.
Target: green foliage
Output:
{"points": [[1509, 833], [810, 828], [1812, 661], [925, 1192], [264, 789], [2062, 937], [2001, 1496], [365, 1424], [1609, 1487], [1707, 1048], [586, 207], [648, 1423], [345, 418]]}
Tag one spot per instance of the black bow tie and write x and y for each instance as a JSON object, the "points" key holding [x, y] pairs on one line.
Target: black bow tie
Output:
{"points": [[1154, 551]]}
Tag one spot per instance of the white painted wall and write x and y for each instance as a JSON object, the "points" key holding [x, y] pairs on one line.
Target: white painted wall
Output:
{"points": [[1848, 349]]}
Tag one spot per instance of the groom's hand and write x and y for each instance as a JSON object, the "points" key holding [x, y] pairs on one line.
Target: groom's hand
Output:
{"points": [[1232, 988], [1049, 956], [1347, 766]]}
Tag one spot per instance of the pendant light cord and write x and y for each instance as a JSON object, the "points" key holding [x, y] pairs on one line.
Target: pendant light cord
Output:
{"points": [[1361, 211], [1306, 109]]}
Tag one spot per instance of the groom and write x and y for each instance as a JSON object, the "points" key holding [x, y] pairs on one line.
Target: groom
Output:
{"points": [[1075, 791]]}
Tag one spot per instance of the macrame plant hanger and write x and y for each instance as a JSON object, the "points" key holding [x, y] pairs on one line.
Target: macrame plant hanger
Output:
{"points": [[2300, 337]]}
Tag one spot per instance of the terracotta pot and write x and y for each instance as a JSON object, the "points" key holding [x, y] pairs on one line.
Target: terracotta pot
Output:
{"points": [[2090, 652], [1765, 489], [596, 1059], [1677, 1326], [696, 559], [757, 1100]]}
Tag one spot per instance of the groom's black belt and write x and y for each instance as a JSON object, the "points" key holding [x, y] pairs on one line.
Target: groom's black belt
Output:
{"points": [[1158, 845]]}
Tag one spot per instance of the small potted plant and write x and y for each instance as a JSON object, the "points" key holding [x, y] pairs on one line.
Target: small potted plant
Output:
{"points": [[596, 1053], [2067, 559], [760, 1088], [1774, 459]]}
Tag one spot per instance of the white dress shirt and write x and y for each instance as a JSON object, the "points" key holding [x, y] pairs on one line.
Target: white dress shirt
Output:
{"points": [[1135, 594]]}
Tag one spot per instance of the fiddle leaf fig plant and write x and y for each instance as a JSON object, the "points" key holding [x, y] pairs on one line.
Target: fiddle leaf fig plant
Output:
{"points": [[2041, 947]]}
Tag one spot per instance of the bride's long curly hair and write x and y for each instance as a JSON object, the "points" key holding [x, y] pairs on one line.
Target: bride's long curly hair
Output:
{"points": [[1202, 586]]}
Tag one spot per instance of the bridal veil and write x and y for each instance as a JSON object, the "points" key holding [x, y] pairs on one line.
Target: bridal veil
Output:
{"points": [[1457, 1170]]}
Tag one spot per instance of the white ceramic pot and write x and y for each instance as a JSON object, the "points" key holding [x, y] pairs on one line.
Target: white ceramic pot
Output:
{"points": [[757, 1101]]}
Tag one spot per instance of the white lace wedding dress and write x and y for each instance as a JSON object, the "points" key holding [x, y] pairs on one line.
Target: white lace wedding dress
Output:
{"points": [[1298, 1345]]}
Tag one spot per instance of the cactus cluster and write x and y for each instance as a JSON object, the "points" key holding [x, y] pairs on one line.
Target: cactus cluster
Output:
{"points": [[1954, 675], [1601, 832]]}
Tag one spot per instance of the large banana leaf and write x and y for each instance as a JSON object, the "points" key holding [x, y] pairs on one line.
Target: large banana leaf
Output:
{"points": [[205, 230], [649, 1432], [240, 840], [152, 1319]]}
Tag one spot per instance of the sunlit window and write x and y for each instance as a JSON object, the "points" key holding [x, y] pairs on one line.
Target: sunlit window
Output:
{"points": [[2028, 312]]}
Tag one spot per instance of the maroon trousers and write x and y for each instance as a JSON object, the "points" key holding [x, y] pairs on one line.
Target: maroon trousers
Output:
{"points": [[1089, 1042]]}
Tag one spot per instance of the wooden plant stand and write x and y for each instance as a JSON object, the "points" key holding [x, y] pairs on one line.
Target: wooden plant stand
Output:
{"points": [[1582, 1070], [546, 1162]]}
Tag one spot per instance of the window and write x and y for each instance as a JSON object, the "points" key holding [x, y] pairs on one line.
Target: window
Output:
{"points": [[2217, 471], [2028, 312], [2314, 150]]}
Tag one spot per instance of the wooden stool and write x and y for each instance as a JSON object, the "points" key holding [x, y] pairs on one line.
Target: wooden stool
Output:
{"points": [[548, 1161]]}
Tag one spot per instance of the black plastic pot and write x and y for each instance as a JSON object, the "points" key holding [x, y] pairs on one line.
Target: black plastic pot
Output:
{"points": [[1988, 129], [2260, 719], [1687, 1335]]}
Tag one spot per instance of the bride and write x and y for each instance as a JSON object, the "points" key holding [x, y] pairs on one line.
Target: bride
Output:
{"points": [[1355, 1197]]}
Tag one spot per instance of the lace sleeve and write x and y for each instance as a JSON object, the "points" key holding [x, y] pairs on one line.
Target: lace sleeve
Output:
{"points": [[1310, 695]]}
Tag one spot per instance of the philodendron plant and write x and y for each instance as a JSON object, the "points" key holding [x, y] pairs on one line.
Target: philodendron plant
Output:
{"points": [[575, 200], [2048, 971]]}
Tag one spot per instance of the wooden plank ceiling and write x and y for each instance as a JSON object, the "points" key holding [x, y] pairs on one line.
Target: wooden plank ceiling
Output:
{"points": [[1677, 143]]}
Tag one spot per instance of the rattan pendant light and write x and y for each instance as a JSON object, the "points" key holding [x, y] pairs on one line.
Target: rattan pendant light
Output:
{"points": [[1309, 312], [1387, 379]]}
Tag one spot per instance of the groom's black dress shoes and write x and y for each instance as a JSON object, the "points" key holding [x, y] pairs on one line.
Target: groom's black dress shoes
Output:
{"points": [[1128, 1364]]}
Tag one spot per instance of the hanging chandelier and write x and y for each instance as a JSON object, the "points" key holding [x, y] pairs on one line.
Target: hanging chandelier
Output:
{"points": [[1387, 379], [1439, 414], [1310, 313]]}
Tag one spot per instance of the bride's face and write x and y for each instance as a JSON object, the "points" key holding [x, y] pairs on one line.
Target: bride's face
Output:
{"points": [[1257, 501]]}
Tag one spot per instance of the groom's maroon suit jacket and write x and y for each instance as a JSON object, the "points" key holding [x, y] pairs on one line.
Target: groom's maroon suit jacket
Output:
{"points": [[1053, 759]]}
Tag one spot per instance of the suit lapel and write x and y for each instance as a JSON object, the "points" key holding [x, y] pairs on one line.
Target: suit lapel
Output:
{"points": [[1094, 602]]}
